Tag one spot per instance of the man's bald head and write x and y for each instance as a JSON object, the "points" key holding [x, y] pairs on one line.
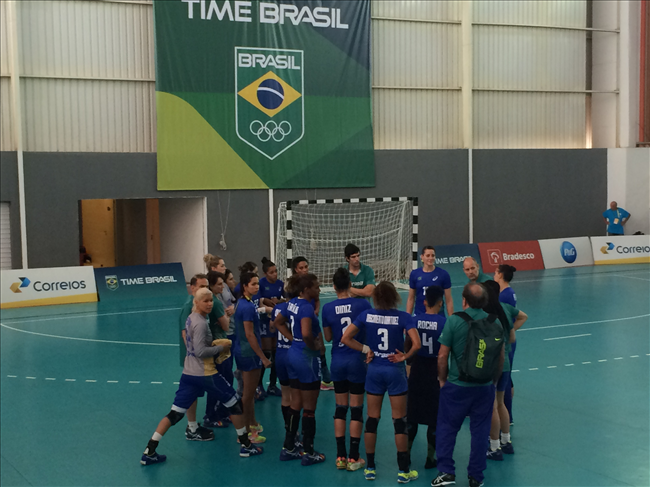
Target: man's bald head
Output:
{"points": [[613, 205], [475, 296], [470, 267]]}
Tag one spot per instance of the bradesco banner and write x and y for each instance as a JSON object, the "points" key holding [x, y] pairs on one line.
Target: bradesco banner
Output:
{"points": [[42, 287], [141, 282], [566, 252], [632, 249], [524, 255], [268, 94], [451, 257]]}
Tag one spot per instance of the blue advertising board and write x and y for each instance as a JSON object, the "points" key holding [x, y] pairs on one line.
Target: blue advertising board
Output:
{"points": [[164, 282], [451, 257]]}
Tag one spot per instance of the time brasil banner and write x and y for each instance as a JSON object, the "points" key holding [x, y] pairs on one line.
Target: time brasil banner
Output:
{"points": [[263, 94]]}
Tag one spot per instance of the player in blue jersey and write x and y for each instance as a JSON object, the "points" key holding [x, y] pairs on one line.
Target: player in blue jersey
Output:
{"points": [[200, 375], [424, 389], [502, 276], [271, 293], [425, 276], [247, 349], [304, 366], [348, 369], [384, 329]]}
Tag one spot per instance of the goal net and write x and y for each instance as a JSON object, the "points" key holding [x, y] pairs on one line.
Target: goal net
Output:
{"points": [[384, 229]]}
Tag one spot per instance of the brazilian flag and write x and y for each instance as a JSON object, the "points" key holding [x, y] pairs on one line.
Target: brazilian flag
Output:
{"points": [[253, 94]]}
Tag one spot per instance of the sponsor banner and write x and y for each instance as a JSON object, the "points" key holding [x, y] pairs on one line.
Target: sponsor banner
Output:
{"points": [[566, 252], [630, 249], [525, 255], [451, 257], [42, 287], [141, 282], [256, 95]]}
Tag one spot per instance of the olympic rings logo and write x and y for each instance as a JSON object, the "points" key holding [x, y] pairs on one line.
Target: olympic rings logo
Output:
{"points": [[270, 130]]}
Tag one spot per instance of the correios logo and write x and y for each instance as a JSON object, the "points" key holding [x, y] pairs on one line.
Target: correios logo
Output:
{"points": [[625, 249], [16, 286], [604, 249], [269, 98], [568, 252]]}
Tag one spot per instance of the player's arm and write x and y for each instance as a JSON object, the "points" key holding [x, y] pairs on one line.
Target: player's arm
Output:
{"points": [[416, 345], [308, 338], [199, 335], [327, 332], [364, 292], [317, 306], [410, 302], [268, 302], [519, 320], [443, 364], [280, 324], [249, 329], [450, 302]]}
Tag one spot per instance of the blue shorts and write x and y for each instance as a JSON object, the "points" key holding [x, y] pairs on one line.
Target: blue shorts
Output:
{"points": [[192, 387], [282, 365], [504, 381], [303, 367], [348, 367], [386, 378], [246, 364]]}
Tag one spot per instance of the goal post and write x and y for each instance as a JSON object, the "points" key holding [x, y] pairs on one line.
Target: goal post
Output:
{"points": [[384, 229]]}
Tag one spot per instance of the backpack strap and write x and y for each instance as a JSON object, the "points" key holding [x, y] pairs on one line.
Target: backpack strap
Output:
{"points": [[461, 314]]}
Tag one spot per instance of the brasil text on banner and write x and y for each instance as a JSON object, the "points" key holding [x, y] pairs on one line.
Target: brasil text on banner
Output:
{"points": [[263, 94]]}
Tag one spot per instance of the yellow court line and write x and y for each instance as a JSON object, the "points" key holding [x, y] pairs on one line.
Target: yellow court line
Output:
{"points": [[77, 298]]}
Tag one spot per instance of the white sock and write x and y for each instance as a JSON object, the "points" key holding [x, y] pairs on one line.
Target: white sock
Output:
{"points": [[193, 425], [156, 436], [494, 444], [505, 438], [241, 431]]}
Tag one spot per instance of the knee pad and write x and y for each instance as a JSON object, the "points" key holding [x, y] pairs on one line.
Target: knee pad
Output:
{"points": [[400, 425], [174, 416], [237, 409], [371, 425], [356, 413], [340, 412], [308, 413]]}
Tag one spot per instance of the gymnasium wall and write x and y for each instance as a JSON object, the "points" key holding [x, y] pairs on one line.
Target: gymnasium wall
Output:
{"points": [[9, 194]]}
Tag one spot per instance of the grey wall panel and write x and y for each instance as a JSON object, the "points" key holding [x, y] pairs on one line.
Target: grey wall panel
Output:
{"points": [[9, 193], [54, 182], [438, 178], [537, 194], [131, 232]]}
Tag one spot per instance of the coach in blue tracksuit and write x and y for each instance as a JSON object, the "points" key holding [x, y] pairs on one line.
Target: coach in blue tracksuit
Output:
{"points": [[459, 399]]}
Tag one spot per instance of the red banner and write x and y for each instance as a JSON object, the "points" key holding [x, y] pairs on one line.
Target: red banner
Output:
{"points": [[525, 256]]}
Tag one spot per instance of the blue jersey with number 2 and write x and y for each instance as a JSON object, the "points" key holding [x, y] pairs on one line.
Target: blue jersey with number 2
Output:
{"points": [[384, 329], [338, 315]]}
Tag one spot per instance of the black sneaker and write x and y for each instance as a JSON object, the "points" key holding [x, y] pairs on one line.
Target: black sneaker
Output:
{"points": [[431, 463], [201, 434], [443, 479], [474, 483]]}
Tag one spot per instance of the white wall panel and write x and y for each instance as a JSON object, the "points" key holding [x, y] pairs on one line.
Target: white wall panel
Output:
{"points": [[88, 116], [560, 13], [7, 141], [421, 10], [529, 58], [86, 39], [528, 120], [4, 47], [417, 119]]}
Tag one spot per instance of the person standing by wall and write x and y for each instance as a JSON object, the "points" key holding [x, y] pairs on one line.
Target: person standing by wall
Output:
{"points": [[616, 218]]}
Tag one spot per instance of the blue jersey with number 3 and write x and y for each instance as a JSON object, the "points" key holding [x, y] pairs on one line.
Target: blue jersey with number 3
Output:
{"points": [[338, 315], [384, 330], [429, 328]]}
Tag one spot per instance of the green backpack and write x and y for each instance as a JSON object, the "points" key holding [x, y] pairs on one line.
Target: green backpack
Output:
{"points": [[485, 340]]}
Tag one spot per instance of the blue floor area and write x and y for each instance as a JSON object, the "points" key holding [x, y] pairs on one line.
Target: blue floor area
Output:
{"points": [[84, 386]]}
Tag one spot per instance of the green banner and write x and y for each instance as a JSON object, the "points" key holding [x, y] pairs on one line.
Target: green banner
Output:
{"points": [[256, 95]]}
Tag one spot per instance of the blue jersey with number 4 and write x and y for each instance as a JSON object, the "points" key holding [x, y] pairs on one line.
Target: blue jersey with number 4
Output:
{"points": [[296, 310], [338, 315], [420, 281], [429, 328], [384, 330]]}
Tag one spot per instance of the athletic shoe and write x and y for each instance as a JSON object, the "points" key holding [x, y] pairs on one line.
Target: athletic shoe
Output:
{"points": [[214, 424], [227, 420], [327, 386], [495, 455], [250, 451], [298, 443], [287, 455], [308, 459], [473, 482], [260, 394], [355, 464], [369, 473], [256, 438], [256, 428], [151, 459], [430, 463], [273, 391], [507, 449], [342, 463], [406, 477], [443, 479], [201, 434]]}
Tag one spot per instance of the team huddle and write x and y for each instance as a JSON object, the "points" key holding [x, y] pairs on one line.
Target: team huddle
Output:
{"points": [[437, 367]]}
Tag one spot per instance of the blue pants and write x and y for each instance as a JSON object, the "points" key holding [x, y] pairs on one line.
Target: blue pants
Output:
{"points": [[214, 409], [507, 397], [456, 403]]}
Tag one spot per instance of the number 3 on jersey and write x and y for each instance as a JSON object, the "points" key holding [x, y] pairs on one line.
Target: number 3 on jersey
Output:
{"points": [[383, 335]]}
